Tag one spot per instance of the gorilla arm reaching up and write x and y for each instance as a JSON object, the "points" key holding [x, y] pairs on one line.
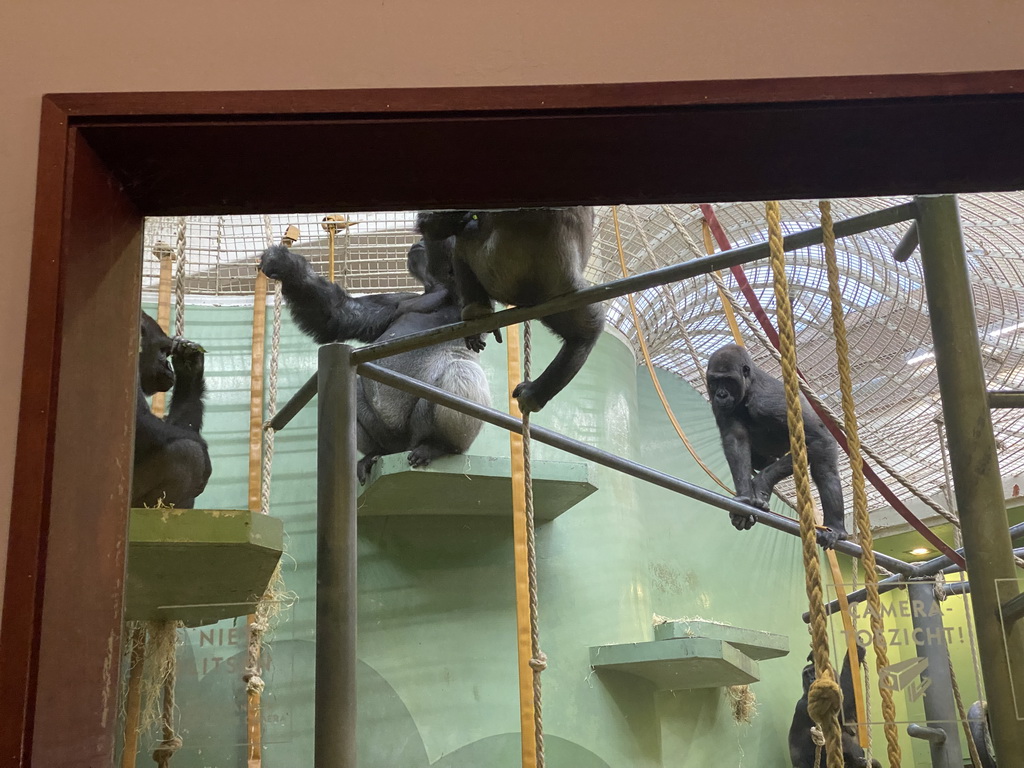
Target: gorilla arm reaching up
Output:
{"points": [[750, 410], [324, 310], [388, 420]]}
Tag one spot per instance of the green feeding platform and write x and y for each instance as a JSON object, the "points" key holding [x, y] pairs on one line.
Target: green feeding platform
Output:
{"points": [[693, 654], [470, 485], [199, 565]]}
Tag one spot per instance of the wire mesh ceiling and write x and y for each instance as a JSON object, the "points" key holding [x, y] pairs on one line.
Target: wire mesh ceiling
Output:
{"points": [[896, 387]]}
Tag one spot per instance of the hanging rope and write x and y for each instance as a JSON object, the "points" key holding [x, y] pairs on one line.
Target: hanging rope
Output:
{"points": [[268, 431], [532, 660], [824, 700], [860, 499], [179, 281], [171, 741], [538, 661], [972, 748], [133, 695], [866, 669]]}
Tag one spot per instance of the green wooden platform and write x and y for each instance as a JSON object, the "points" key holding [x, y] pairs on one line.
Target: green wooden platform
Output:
{"points": [[755, 643], [199, 565], [470, 485], [693, 654]]}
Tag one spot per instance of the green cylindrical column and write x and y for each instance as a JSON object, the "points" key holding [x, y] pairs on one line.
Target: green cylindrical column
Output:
{"points": [[972, 449], [334, 733]]}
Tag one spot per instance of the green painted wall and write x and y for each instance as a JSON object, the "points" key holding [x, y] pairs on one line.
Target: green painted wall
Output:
{"points": [[437, 674]]}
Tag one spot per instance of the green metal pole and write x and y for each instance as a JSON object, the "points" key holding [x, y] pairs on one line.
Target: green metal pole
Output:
{"points": [[972, 450], [334, 719]]}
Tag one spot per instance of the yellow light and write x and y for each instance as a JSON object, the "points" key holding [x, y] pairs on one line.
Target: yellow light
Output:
{"points": [[920, 551]]}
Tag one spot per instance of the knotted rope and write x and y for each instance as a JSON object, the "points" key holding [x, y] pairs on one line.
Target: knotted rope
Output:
{"points": [[824, 699], [538, 661], [860, 498]]}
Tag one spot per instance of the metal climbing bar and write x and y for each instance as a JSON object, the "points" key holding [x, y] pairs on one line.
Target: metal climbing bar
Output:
{"points": [[1006, 398], [940, 564], [295, 404], [943, 563], [974, 462], [616, 288], [606, 459]]}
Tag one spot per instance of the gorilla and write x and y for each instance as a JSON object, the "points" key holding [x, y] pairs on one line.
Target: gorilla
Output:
{"points": [[172, 461], [389, 420], [750, 410], [801, 747], [524, 257]]}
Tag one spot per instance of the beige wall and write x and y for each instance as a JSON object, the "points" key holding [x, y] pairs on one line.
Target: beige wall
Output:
{"points": [[126, 45]]}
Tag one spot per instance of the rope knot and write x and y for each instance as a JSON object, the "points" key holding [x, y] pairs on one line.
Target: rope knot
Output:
{"points": [[817, 736], [253, 683], [824, 700], [540, 662], [162, 755]]}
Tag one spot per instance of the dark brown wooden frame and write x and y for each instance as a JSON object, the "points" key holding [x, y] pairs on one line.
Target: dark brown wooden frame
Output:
{"points": [[106, 160]]}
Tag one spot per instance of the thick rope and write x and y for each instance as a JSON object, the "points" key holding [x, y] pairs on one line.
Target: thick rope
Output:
{"points": [[171, 742], [818, 739], [133, 696], [866, 669], [268, 432], [538, 661], [258, 622], [972, 748], [179, 281], [860, 498], [524, 639], [824, 699]]}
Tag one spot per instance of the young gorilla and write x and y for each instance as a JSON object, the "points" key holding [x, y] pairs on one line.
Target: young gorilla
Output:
{"points": [[801, 746], [389, 420], [750, 409], [524, 257], [172, 462]]}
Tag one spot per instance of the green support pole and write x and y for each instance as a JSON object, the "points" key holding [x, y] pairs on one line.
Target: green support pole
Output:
{"points": [[334, 724], [972, 450]]}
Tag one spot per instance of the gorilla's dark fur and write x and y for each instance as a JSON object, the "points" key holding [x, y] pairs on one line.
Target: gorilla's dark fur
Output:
{"points": [[524, 257], [391, 421], [172, 462], [801, 746], [750, 409]]}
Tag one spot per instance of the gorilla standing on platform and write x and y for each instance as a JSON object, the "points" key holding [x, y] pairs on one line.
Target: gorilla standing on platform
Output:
{"points": [[172, 462], [524, 257], [389, 420], [750, 410]]}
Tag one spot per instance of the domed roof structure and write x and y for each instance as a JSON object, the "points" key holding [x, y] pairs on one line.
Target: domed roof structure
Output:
{"points": [[895, 384]]}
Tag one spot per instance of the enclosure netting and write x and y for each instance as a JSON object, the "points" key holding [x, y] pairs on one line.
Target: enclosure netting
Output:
{"points": [[895, 384]]}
